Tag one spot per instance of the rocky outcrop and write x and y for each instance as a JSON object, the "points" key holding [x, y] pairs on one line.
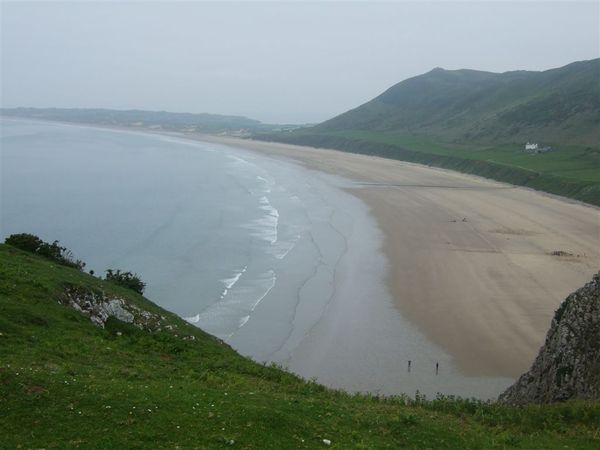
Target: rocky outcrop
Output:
{"points": [[568, 364], [99, 307]]}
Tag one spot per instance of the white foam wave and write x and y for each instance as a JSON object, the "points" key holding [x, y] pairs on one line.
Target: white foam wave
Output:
{"points": [[238, 160], [230, 282], [265, 227], [283, 248], [267, 184], [192, 319], [229, 314], [273, 280]]}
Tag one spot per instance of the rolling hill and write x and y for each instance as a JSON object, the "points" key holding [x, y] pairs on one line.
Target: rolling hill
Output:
{"points": [[560, 106], [478, 122]]}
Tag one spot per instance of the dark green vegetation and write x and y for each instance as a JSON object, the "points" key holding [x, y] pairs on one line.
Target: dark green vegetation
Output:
{"points": [[478, 122], [159, 120], [126, 279], [65, 383], [62, 255], [54, 252]]}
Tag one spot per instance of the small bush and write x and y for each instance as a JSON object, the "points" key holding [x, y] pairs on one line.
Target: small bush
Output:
{"points": [[126, 279], [24, 241], [33, 244]]}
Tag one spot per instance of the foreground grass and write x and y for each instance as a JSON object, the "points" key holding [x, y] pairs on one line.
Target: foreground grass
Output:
{"points": [[569, 170], [65, 383]]}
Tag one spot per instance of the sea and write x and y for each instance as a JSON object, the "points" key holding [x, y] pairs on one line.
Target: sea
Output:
{"points": [[279, 261]]}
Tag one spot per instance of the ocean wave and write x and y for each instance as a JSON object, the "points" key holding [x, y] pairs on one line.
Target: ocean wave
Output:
{"points": [[238, 160], [271, 217], [243, 321], [229, 314], [282, 248], [265, 227], [230, 282], [192, 319], [273, 280], [266, 183], [272, 277]]}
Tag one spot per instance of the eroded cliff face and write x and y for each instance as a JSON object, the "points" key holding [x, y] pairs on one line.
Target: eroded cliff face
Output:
{"points": [[568, 364]]}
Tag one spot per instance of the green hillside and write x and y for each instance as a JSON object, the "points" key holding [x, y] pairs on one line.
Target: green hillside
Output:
{"points": [[67, 383], [478, 122], [559, 106]]}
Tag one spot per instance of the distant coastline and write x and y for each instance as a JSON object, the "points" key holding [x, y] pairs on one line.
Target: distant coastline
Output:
{"points": [[569, 170]]}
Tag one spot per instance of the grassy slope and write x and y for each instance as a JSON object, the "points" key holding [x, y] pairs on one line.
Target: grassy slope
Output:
{"points": [[65, 383], [478, 122], [559, 106]]}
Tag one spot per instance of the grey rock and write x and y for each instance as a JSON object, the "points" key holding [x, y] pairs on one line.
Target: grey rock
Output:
{"points": [[115, 308], [568, 364], [99, 307]]}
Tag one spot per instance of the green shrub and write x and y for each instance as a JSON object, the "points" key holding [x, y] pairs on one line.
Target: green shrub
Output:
{"points": [[24, 241], [33, 244], [126, 279]]}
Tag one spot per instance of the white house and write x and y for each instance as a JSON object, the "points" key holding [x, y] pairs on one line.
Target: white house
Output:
{"points": [[531, 146]]}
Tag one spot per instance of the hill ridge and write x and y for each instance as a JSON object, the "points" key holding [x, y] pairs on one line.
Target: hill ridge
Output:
{"points": [[496, 104]]}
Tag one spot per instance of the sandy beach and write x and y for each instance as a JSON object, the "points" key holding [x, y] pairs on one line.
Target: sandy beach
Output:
{"points": [[472, 273], [472, 261]]}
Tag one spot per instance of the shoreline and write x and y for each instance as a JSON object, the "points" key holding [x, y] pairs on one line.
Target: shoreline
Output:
{"points": [[483, 289], [248, 144]]}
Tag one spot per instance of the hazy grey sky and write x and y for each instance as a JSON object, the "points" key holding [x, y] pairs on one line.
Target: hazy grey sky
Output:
{"points": [[276, 62]]}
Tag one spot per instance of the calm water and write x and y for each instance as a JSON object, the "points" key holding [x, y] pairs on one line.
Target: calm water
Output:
{"points": [[274, 258], [207, 227]]}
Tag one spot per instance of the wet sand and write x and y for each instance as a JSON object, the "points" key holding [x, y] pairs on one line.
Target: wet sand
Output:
{"points": [[471, 261]]}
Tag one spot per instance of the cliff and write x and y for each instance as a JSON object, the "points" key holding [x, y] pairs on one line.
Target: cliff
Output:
{"points": [[568, 364]]}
